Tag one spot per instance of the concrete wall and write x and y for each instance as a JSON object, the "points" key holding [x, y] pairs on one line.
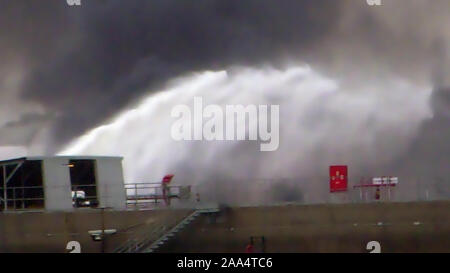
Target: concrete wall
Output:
{"points": [[57, 188], [51, 231], [322, 228], [312, 228]]}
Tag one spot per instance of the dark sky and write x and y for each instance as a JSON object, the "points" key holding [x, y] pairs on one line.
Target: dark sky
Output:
{"points": [[74, 67]]}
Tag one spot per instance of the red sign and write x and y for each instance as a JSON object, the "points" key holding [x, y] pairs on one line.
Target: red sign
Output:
{"points": [[338, 178]]}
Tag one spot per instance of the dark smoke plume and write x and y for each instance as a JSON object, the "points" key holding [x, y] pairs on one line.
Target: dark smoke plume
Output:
{"points": [[66, 70]]}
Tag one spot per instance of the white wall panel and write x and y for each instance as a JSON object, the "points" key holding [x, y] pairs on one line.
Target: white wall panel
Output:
{"points": [[57, 187]]}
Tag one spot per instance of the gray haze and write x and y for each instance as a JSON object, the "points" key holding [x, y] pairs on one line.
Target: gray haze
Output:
{"points": [[66, 70]]}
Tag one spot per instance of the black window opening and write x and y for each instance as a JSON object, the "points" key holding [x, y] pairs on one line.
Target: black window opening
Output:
{"points": [[24, 188], [84, 183]]}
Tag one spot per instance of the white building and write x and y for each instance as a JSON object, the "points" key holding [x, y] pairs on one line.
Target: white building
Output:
{"points": [[61, 183]]}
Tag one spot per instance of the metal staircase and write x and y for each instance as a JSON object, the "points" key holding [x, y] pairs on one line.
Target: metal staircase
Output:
{"points": [[186, 221], [135, 244], [147, 244], [171, 233]]}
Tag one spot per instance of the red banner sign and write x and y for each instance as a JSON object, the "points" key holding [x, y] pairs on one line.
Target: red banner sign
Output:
{"points": [[338, 178]]}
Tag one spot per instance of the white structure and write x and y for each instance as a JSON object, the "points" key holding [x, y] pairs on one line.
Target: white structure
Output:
{"points": [[51, 183], [385, 180]]}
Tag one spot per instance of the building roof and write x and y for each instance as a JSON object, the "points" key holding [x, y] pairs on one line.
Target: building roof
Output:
{"points": [[77, 157]]}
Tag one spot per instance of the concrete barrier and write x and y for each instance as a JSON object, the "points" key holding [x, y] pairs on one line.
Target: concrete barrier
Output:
{"points": [[51, 231], [399, 227]]}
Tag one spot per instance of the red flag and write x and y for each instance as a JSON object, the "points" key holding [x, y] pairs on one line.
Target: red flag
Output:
{"points": [[167, 178]]}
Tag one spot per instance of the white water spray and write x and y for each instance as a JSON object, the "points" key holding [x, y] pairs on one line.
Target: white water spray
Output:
{"points": [[321, 123]]}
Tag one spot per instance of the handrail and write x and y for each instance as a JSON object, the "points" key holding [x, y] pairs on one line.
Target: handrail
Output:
{"points": [[18, 194], [22, 187], [142, 240], [178, 226]]}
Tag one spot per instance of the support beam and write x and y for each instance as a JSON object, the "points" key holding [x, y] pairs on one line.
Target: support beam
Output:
{"points": [[5, 198], [5, 182], [13, 172]]}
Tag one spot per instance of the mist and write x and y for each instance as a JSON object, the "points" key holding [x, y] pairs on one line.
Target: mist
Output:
{"points": [[59, 63], [321, 123], [360, 85]]}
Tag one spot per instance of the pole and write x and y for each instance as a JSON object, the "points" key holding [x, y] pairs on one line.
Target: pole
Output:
{"points": [[23, 188], [14, 198], [135, 197], [5, 197], [103, 230], [417, 189]]}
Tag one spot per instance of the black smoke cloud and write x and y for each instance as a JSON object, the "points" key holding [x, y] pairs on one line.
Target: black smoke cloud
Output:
{"points": [[79, 66], [88, 62]]}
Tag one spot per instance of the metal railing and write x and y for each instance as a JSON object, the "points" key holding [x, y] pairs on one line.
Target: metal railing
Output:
{"points": [[141, 194], [18, 197], [142, 239], [143, 235]]}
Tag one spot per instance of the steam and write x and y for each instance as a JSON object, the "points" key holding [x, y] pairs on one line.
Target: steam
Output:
{"points": [[322, 122]]}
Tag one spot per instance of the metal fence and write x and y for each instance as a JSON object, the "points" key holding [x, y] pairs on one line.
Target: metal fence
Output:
{"points": [[18, 198], [144, 194]]}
